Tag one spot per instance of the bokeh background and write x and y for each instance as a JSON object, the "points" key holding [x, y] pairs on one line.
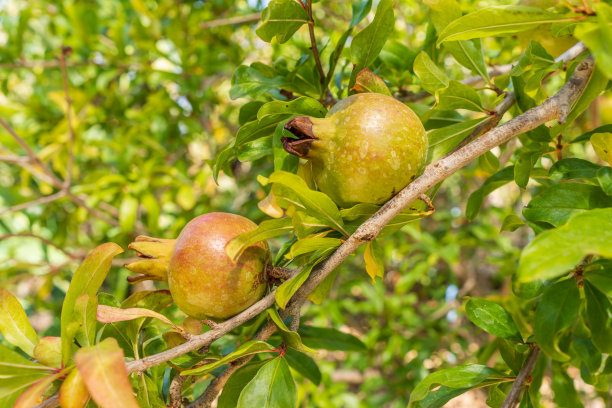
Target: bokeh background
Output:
{"points": [[149, 83]]}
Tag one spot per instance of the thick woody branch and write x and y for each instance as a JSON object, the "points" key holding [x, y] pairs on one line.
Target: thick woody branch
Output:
{"points": [[519, 383], [555, 107]]}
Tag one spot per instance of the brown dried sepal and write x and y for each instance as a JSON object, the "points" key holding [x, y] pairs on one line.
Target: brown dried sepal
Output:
{"points": [[301, 127]]}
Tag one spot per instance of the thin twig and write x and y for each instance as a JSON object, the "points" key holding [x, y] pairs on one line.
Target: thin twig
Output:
{"points": [[66, 51], [33, 157], [313, 43], [14, 159], [175, 397], [41, 239], [249, 18], [38, 201], [519, 383]]}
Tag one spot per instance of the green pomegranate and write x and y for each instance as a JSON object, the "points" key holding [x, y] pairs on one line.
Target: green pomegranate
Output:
{"points": [[204, 282], [367, 148]]}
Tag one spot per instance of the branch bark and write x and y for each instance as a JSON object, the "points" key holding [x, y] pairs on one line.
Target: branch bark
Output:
{"points": [[519, 383], [555, 107], [249, 18]]}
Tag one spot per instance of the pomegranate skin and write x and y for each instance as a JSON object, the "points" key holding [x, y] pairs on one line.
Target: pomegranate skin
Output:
{"points": [[203, 280], [367, 148]]}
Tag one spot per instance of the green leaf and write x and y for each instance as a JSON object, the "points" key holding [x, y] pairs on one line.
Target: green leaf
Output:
{"points": [[523, 166], [307, 245], [266, 230], [367, 81], [443, 140], [555, 252], [439, 397], [14, 323], [599, 317], [492, 318], [291, 338], [573, 168], [86, 280], [601, 279], [258, 129], [556, 311], [466, 376], [598, 37], [502, 177], [432, 78], [604, 177], [249, 348], [282, 159], [330, 339], [565, 394], [248, 112], [318, 204], [602, 144], [236, 383], [32, 395], [321, 292], [255, 80], [288, 288], [558, 203], [85, 308], [458, 96], [281, 19], [512, 223], [368, 43], [304, 365], [360, 11], [301, 106], [127, 213], [467, 53], [271, 387], [249, 151], [498, 21]]}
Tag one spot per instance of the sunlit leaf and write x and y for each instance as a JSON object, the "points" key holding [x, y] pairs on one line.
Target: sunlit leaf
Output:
{"points": [[497, 21], [14, 323], [266, 230], [281, 19], [557, 251], [87, 279], [432, 78], [367, 43]]}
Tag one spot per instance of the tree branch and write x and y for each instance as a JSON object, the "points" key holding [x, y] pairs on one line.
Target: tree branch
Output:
{"points": [[555, 107], [41, 200], [249, 18], [313, 43], [519, 383], [41, 239]]}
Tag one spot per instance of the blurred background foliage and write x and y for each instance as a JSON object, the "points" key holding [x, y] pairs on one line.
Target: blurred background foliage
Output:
{"points": [[149, 84]]}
